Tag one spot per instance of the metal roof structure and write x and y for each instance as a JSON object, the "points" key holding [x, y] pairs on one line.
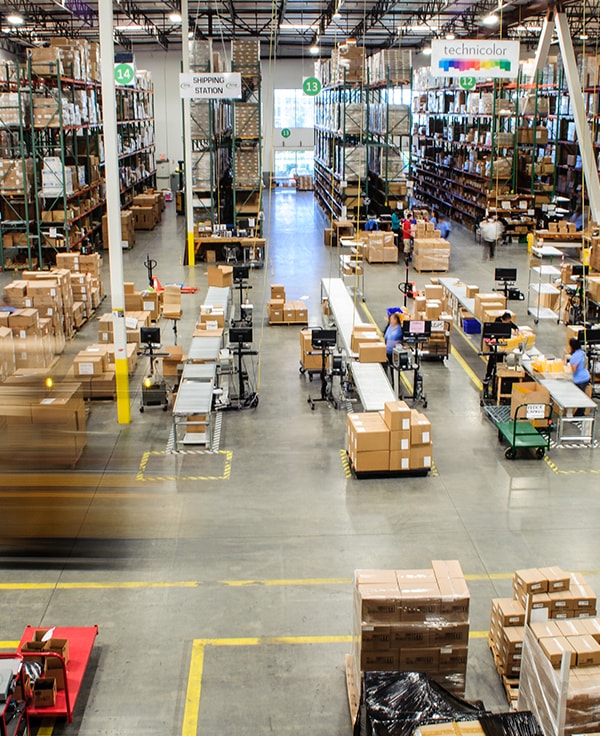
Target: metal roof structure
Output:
{"points": [[288, 28]]}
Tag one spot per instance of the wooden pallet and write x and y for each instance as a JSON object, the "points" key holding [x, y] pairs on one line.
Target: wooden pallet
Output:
{"points": [[353, 689], [430, 270], [510, 684]]}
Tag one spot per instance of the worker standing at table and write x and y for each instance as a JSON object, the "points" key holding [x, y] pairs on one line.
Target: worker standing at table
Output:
{"points": [[392, 336], [577, 362]]}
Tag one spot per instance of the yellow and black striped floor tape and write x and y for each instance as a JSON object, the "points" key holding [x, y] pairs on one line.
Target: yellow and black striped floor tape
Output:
{"points": [[146, 457], [348, 469]]}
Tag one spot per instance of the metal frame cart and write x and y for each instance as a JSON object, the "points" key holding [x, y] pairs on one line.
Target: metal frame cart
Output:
{"points": [[81, 642], [14, 715], [530, 428]]}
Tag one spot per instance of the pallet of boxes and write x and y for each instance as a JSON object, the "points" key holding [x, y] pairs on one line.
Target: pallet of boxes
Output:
{"points": [[431, 306], [283, 312], [147, 210], [395, 441], [127, 230], [411, 621], [380, 247], [86, 284], [431, 252], [558, 608]]}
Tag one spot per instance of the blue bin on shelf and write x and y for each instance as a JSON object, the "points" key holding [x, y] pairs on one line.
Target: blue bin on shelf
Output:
{"points": [[471, 326]]}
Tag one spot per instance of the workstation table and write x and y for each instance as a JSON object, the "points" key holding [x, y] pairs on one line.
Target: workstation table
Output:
{"points": [[568, 398], [456, 292], [250, 250]]}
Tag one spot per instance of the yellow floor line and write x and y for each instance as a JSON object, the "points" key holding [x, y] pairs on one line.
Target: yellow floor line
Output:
{"points": [[9, 644], [463, 364], [45, 730], [194, 690]]}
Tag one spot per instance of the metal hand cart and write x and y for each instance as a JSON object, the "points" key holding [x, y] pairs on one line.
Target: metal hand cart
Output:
{"points": [[530, 428]]}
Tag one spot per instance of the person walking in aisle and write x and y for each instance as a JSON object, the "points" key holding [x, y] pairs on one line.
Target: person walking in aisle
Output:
{"points": [[392, 336], [407, 234], [577, 361], [396, 227], [444, 227], [491, 230]]}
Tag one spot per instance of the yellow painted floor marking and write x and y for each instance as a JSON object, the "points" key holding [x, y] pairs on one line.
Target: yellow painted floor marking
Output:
{"points": [[194, 686], [141, 474], [9, 644], [466, 368], [67, 480], [45, 730], [177, 584], [370, 318], [555, 469], [474, 348]]}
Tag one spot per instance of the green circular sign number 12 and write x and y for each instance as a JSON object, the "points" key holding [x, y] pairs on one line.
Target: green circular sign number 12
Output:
{"points": [[311, 86], [468, 82], [124, 74]]}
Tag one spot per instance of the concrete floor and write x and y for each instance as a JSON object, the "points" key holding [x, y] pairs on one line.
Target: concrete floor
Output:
{"points": [[238, 591]]}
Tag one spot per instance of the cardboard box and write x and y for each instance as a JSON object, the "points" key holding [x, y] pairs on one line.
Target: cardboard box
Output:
{"points": [[53, 669], [421, 456], [372, 352], [529, 393], [367, 431], [371, 461], [396, 415], [86, 364], [509, 612], [420, 428], [471, 290], [44, 692], [278, 291], [587, 650], [363, 334], [554, 646], [399, 459], [220, 276]]}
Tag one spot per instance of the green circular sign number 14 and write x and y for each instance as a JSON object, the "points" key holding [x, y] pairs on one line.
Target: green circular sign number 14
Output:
{"points": [[124, 74], [311, 86]]}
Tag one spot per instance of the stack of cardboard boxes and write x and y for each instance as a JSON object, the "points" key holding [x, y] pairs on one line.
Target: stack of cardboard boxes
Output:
{"points": [[16, 180], [380, 248], [397, 439], [41, 427], [142, 301], [431, 252], [127, 229], [540, 595], [412, 621], [147, 210], [33, 348], [368, 344], [86, 279], [281, 311], [348, 63], [311, 359]]}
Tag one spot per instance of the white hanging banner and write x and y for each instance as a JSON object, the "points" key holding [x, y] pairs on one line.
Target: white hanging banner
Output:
{"points": [[211, 86], [475, 58]]}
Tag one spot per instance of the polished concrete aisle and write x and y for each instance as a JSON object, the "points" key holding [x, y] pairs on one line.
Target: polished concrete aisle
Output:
{"points": [[221, 583]]}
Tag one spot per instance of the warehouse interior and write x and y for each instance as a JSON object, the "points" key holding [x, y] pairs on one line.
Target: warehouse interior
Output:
{"points": [[253, 564]]}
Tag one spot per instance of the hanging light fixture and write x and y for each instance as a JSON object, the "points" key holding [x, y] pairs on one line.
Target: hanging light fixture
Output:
{"points": [[175, 17], [15, 19]]}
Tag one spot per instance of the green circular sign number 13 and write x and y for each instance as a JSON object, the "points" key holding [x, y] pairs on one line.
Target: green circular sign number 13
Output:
{"points": [[311, 86]]}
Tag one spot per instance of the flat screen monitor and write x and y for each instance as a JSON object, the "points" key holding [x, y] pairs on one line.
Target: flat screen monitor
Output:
{"points": [[416, 327], [240, 334], [323, 339], [150, 335], [578, 269], [240, 273], [496, 331], [505, 274], [589, 337]]}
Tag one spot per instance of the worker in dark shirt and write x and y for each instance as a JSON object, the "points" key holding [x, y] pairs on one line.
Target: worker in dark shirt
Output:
{"points": [[506, 318]]}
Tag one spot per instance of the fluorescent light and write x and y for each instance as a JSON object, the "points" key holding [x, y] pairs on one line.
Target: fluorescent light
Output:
{"points": [[295, 26], [337, 17], [175, 17], [491, 20], [15, 19], [427, 50], [450, 37], [583, 37], [314, 50]]}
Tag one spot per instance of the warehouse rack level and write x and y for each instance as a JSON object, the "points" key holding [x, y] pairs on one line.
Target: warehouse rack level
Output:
{"points": [[80, 642], [529, 428]]}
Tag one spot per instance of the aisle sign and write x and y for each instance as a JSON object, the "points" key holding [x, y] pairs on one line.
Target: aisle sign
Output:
{"points": [[475, 58], [211, 86], [125, 74], [286, 132], [311, 86]]}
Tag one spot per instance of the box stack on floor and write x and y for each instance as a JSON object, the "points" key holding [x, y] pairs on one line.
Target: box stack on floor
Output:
{"points": [[41, 426], [147, 210], [127, 229], [431, 252], [397, 439], [147, 300], [281, 311], [86, 283], [412, 621], [381, 248], [539, 595]]}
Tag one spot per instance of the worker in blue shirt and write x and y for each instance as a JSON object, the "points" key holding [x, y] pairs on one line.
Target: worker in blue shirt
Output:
{"points": [[444, 227], [392, 337], [577, 362]]}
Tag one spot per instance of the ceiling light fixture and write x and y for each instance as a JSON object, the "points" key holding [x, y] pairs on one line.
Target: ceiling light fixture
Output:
{"points": [[427, 50], [450, 37], [175, 17], [491, 20], [583, 37], [15, 19], [314, 50]]}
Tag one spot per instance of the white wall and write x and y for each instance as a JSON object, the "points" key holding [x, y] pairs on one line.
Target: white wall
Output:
{"points": [[165, 68]]}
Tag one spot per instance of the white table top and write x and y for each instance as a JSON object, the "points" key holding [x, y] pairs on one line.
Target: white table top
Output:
{"points": [[344, 312], [458, 289]]}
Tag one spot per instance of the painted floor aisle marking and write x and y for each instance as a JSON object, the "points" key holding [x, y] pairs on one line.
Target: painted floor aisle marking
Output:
{"points": [[146, 457]]}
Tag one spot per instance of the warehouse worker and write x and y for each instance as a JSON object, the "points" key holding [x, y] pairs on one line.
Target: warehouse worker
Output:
{"points": [[491, 230], [392, 336], [407, 234], [506, 318], [396, 226], [577, 362], [5, 307], [444, 227]]}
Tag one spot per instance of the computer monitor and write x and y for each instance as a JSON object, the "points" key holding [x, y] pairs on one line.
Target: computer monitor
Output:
{"points": [[589, 337], [240, 334], [323, 339], [150, 335], [240, 273], [505, 274], [417, 327], [496, 331], [578, 269]]}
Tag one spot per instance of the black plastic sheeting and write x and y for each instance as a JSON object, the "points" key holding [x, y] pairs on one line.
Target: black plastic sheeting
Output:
{"points": [[396, 703]]}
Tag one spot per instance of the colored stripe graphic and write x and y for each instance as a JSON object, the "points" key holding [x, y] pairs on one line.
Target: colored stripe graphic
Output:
{"points": [[466, 65]]}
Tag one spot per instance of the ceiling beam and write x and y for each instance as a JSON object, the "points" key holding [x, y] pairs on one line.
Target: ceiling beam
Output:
{"points": [[133, 12]]}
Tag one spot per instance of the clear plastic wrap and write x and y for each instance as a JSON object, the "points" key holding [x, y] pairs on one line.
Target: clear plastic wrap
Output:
{"points": [[522, 723], [395, 704]]}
